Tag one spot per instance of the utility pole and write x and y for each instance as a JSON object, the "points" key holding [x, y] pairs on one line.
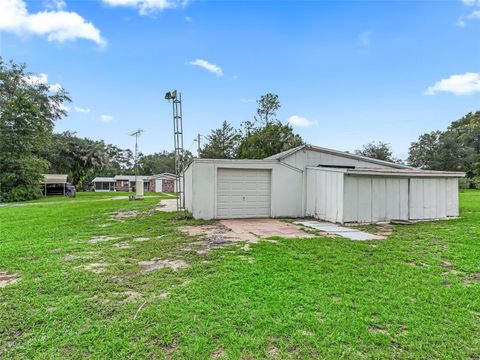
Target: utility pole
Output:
{"points": [[199, 148]]}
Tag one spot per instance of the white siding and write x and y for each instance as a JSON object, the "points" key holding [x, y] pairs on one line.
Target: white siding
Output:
{"points": [[433, 198], [286, 187], [371, 199], [188, 175], [324, 199], [451, 189]]}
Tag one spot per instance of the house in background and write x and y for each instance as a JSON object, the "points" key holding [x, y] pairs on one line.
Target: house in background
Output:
{"points": [[164, 182], [127, 182], [103, 184], [311, 181], [54, 184]]}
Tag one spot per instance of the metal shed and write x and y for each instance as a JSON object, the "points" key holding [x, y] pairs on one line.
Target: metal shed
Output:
{"points": [[374, 195], [323, 183]]}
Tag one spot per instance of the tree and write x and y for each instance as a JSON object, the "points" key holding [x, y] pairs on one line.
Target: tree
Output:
{"points": [[157, 163], [28, 111], [455, 149], [267, 109], [377, 150], [161, 162], [81, 159], [222, 143], [266, 136], [425, 153], [121, 161], [268, 140]]}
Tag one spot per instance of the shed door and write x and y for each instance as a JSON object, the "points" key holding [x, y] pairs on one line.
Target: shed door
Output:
{"points": [[158, 185], [243, 193]]}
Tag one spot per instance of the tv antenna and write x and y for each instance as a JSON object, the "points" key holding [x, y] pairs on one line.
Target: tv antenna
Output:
{"points": [[176, 99], [136, 133]]}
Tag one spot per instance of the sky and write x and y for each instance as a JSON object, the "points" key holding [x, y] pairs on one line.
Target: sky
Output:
{"points": [[346, 72]]}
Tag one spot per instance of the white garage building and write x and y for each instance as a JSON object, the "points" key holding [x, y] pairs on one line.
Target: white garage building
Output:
{"points": [[318, 182]]}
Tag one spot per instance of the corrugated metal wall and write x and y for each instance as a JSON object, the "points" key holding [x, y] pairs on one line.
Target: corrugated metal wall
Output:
{"points": [[370, 199], [433, 198], [324, 198]]}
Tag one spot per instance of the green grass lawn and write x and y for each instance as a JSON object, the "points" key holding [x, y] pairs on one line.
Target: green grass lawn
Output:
{"points": [[84, 196], [414, 295]]}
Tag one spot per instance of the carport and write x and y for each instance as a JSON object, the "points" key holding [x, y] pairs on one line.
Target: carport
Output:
{"points": [[54, 184]]}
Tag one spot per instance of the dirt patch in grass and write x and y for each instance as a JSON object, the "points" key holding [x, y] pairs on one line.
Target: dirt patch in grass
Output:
{"points": [[122, 245], [85, 255], [212, 237], [7, 279], [169, 349], [217, 354], [123, 215], [273, 351], [141, 239], [377, 329], [157, 264], [129, 296], [446, 264], [101, 238], [96, 268]]}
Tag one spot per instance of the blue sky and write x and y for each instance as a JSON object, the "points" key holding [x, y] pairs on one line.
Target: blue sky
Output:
{"points": [[347, 72]]}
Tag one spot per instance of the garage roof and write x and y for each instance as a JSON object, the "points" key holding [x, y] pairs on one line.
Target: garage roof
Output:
{"points": [[412, 172], [54, 178], [287, 153]]}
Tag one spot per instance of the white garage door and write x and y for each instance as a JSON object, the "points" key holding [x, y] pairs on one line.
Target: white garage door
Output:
{"points": [[243, 193]]}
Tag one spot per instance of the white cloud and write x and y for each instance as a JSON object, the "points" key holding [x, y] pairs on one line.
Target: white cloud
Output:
{"points": [[464, 84], [55, 4], [473, 15], [364, 39], [42, 78], [106, 118], [299, 121], [82, 110], [461, 22], [65, 108], [215, 69], [146, 7], [56, 25]]}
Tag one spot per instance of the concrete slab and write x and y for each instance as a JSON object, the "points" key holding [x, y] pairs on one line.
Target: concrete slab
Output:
{"points": [[349, 233], [264, 228], [227, 232], [167, 205]]}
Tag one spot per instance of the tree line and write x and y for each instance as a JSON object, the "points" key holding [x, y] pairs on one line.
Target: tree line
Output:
{"points": [[29, 147], [257, 139]]}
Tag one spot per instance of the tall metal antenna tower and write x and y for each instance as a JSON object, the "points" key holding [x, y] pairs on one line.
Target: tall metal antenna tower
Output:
{"points": [[178, 146]]}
